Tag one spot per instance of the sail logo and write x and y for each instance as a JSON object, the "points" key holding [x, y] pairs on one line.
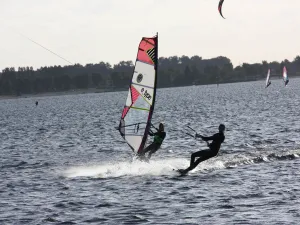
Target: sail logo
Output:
{"points": [[139, 78], [146, 94], [151, 54]]}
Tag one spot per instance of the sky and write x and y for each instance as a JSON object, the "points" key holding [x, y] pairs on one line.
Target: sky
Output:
{"points": [[90, 31]]}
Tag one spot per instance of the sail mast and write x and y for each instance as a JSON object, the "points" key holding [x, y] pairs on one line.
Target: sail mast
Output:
{"points": [[148, 126]]}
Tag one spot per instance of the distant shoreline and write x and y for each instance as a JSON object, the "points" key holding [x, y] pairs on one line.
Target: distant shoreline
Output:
{"points": [[61, 93], [103, 90]]}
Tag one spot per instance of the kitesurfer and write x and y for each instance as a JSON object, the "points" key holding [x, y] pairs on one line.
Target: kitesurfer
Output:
{"points": [[158, 139], [214, 147]]}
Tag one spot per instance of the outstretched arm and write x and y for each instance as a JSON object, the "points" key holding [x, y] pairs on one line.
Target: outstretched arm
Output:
{"points": [[206, 139], [150, 132], [154, 127], [211, 138]]}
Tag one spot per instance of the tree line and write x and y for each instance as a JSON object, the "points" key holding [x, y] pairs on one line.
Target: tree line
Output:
{"points": [[172, 71]]}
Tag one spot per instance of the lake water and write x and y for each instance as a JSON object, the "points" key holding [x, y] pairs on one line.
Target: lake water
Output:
{"points": [[63, 162]]}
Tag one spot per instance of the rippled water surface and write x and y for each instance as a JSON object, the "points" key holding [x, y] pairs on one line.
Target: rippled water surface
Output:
{"points": [[63, 162]]}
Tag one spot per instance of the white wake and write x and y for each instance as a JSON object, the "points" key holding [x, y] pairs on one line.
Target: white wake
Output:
{"points": [[137, 168]]}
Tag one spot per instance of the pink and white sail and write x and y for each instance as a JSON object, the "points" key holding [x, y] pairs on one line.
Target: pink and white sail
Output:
{"points": [[285, 76], [268, 78]]}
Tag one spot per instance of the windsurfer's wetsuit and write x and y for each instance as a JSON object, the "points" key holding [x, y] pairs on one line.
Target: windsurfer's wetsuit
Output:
{"points": [[214, 147], [159, 137], [268, 84], [286, 82]]}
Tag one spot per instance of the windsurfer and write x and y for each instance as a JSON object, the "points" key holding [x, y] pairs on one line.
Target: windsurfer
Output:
{"points": [[269, 83], [214, 147], [285, 77], [286, 82], [159, 137]]}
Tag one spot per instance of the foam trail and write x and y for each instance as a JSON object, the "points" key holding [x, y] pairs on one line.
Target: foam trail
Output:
{"points": [[167, 166], [135, 168]]}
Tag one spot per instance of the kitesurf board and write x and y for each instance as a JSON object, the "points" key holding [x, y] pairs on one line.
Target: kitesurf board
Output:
{"points": [[181, 173]]}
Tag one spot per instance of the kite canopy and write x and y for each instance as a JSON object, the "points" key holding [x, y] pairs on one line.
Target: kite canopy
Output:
{"points": [[220, 8]]}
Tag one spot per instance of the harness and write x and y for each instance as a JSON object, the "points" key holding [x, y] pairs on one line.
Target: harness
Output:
{"points": [[158, 140]]}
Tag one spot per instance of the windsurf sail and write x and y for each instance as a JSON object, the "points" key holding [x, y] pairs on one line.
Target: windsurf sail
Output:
{"points": [[268, 82], [137, 113], [285, 76], [220, 8]]}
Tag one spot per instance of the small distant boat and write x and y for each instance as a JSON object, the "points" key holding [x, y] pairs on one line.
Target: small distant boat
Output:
{"points": [[268, 82], [285, 77]]}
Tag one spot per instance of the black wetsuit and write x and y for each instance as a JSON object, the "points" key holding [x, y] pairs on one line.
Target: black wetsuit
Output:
{"points": [[286, 82], [217, 139], [269, 83], [159, 137]]}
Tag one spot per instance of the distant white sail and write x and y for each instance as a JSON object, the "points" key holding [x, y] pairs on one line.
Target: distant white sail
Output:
{"points": [[285, 76], [137, 113], [268, 82]]}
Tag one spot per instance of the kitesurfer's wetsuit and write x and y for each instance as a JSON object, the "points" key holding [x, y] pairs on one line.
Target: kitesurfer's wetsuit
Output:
{"points": [[159, 137], [214, 147]]}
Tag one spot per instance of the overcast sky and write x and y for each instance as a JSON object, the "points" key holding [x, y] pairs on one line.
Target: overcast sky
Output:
{"points": [[90, 31]]}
